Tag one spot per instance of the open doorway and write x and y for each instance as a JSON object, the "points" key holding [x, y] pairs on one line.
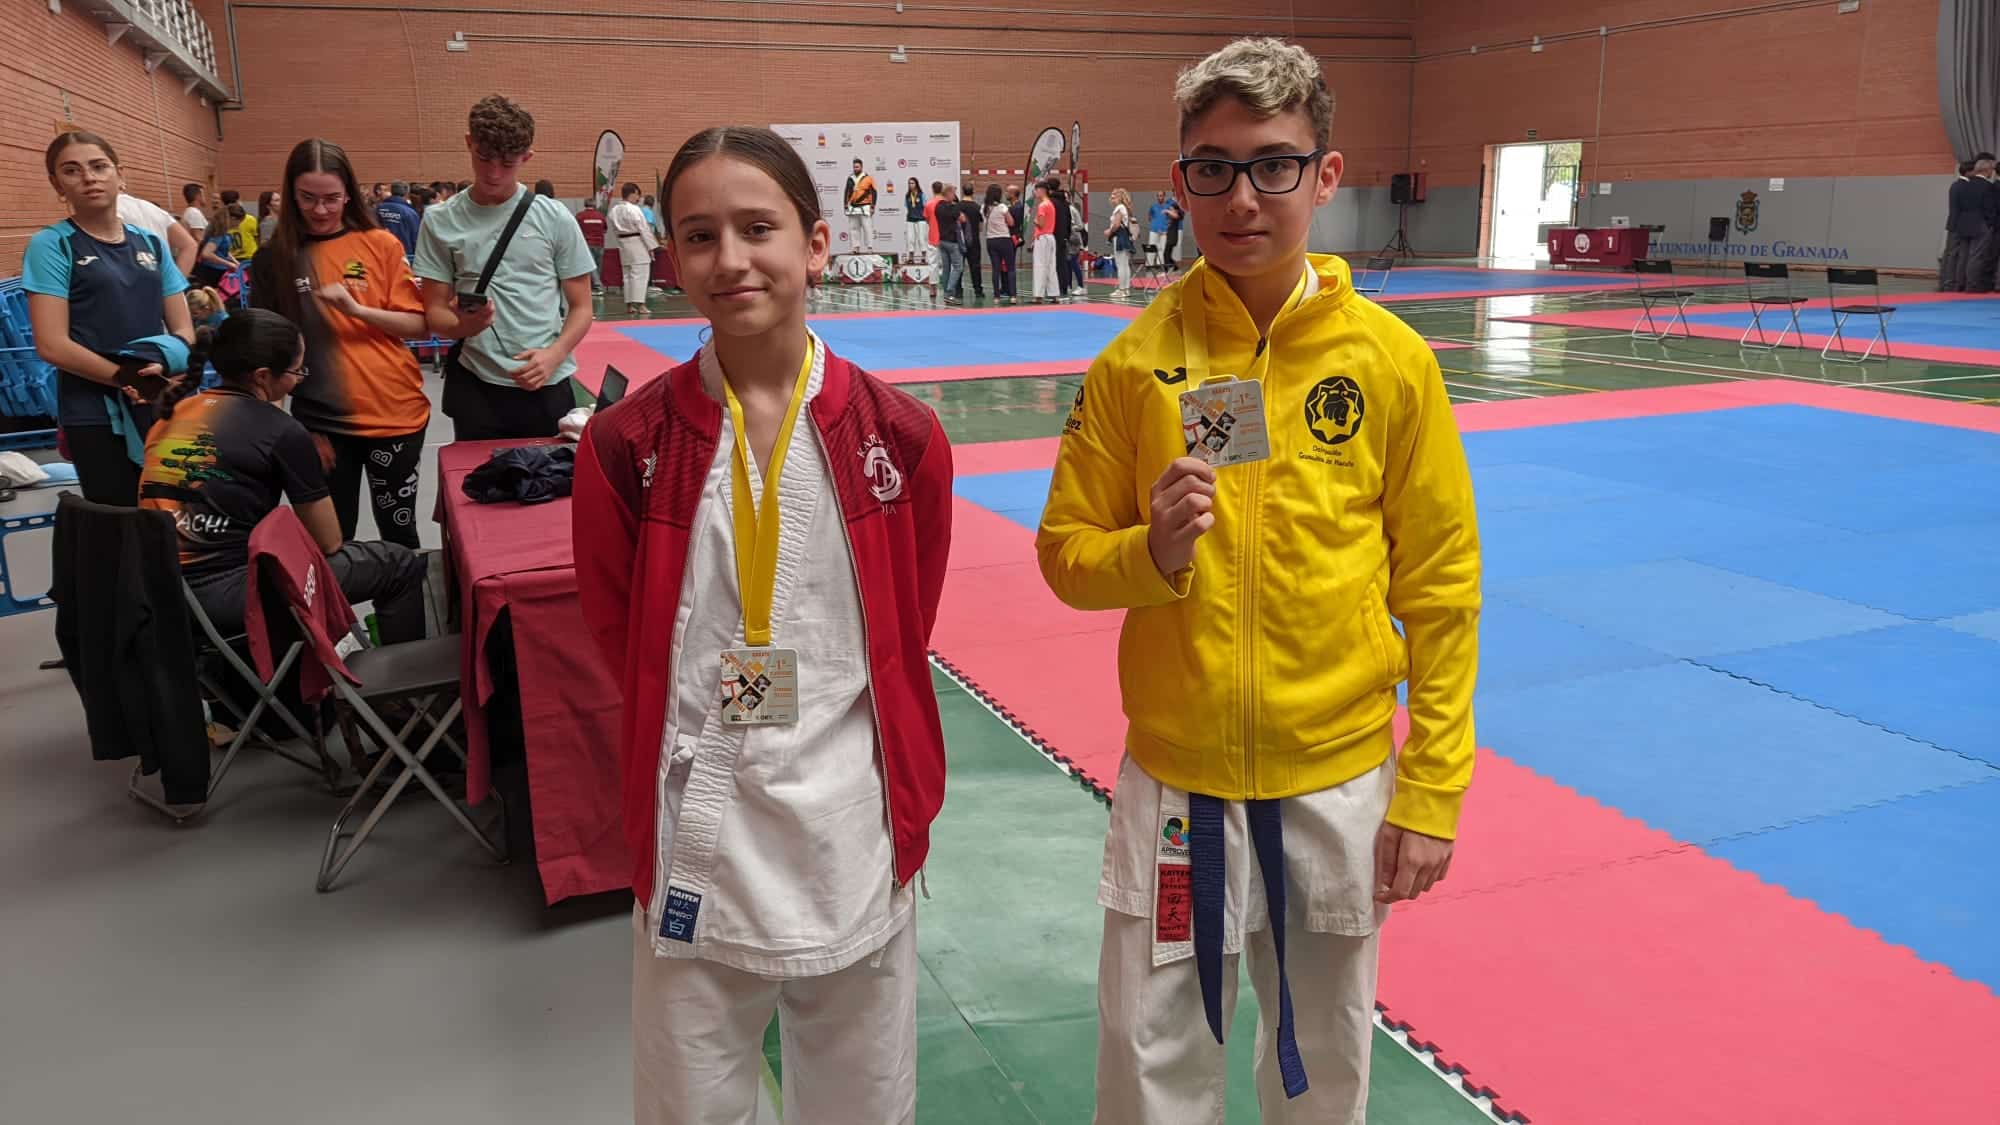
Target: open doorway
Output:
{"points": [[1534, 187]]}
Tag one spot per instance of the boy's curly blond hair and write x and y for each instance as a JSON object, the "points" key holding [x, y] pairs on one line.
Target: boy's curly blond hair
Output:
{"points": [[1268, 75]]}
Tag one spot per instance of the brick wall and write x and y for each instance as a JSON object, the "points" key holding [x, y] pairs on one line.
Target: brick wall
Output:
{"points": [[58, 67], [383, 85], [1800, 92]]}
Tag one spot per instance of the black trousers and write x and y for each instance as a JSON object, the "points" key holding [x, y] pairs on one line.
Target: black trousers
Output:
{"points": [[1002, 252], [1957, 267], [103, 471], [1980, 263], [482, 411], [391, 465], [972, 267], [390, 576]]}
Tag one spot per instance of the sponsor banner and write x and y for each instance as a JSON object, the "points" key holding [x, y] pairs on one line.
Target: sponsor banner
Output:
{"points": [[604, 165], [892, 153]]}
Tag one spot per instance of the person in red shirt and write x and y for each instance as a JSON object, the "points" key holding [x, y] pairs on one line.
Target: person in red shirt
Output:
{"points": [[592, 222], [1046, 287], [931, 219]]}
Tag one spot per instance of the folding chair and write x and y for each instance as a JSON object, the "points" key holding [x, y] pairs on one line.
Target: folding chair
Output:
{"points": [[1155, 264], [83, 528], [422, 673], [1753, 272], [211, 648], [1651, 297], [1379, 266], [1836, 278]]}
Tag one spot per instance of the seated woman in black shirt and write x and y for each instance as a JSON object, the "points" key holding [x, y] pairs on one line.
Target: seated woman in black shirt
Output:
{"points": [[220, 460]]}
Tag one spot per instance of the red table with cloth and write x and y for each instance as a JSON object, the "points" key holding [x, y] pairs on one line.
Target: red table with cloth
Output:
{"points": [[1598, 246], [516, 560]]}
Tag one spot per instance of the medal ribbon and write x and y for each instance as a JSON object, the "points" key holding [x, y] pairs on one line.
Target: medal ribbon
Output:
{"points": [[757, 524]]}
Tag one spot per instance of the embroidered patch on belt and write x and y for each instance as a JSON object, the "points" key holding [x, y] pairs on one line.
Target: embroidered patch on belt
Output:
{"points": [[1173, 906], [1174, 833], [677, 920]]}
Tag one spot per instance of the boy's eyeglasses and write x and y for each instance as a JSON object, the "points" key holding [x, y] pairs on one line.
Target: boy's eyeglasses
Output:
{"points": [[1270, 175]]}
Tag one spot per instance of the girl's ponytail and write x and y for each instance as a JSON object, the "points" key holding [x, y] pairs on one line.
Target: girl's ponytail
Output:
{"points": [[204, 341]]}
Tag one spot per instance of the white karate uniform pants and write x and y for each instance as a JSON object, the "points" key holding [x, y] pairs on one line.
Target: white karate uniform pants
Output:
{"points": [[637, 262], [1045, 266], [1158, 1064], [849, 1039]]}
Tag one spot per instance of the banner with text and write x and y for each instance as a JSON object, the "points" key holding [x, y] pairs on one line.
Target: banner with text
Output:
{"points": [[893, 153]]}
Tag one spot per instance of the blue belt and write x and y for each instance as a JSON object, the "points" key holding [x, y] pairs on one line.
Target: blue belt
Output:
{"points": [[1208, 881]]}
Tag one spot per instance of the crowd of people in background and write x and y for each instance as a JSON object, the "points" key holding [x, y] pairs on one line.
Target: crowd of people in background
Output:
{"points": [[955, 227], [218, 363], [1971, 262], [502, 272]]}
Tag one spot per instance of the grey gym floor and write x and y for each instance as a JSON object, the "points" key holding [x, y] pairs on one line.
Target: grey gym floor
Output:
{"points": [[191, 974]]}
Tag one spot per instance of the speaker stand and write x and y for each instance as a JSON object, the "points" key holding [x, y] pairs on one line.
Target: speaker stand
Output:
{"points": [[1399, 243]]}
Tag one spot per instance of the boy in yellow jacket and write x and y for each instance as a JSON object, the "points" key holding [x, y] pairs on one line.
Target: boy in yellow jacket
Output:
{"points": [[1264, 472]]}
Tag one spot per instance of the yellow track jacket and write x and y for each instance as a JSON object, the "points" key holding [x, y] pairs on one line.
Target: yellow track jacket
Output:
{"points": [[1269, 668]]}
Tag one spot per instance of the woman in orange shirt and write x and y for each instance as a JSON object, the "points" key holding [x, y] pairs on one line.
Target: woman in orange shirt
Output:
{"points": [[334, 272]]}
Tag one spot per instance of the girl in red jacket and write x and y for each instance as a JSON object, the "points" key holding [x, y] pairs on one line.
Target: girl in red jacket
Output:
{"points": [[760, 539]]}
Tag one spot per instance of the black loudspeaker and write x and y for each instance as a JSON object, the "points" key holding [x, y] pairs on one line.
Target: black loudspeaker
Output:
{"points": [[1399, 188], [1718, 228]]}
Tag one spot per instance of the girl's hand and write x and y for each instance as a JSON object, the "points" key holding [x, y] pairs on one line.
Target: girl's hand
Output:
{"points": [[340, 297], [150, 371]]}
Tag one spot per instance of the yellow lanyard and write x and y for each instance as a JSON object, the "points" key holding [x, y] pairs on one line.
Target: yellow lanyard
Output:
{"points": [[757, 525], [1194, 328]]}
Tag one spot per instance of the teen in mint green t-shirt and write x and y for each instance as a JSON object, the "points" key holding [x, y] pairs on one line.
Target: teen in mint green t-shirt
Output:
{"points": [[457, 237]]}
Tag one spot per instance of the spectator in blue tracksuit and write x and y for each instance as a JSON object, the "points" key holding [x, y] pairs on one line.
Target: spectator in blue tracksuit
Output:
{"points": [[398, 217]]}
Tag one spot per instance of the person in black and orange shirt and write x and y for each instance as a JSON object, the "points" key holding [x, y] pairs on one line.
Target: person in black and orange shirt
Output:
{"points": [[858, 200], [220, 460], [334, 272]]}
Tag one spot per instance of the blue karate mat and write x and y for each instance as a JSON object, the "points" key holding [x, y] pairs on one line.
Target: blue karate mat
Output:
{"points": [[1918, 871], [1965, 323], [1419, 281], [1641, 573], [1520, 646], [1978, 624], [1693, 611], [1019, 495], [1701, 755], [1931, 683], [1789, 544], [1927, 574], [894, 343]]}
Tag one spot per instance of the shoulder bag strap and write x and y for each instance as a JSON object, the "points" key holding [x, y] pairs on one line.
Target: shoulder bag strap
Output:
{"points": [[506, 236]]}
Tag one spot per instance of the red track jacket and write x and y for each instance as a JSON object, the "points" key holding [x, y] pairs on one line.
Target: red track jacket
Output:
{"points": [[639, 476]]}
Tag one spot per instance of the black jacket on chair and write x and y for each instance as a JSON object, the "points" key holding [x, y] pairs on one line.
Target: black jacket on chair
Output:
{"points": [[128, 641]]}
